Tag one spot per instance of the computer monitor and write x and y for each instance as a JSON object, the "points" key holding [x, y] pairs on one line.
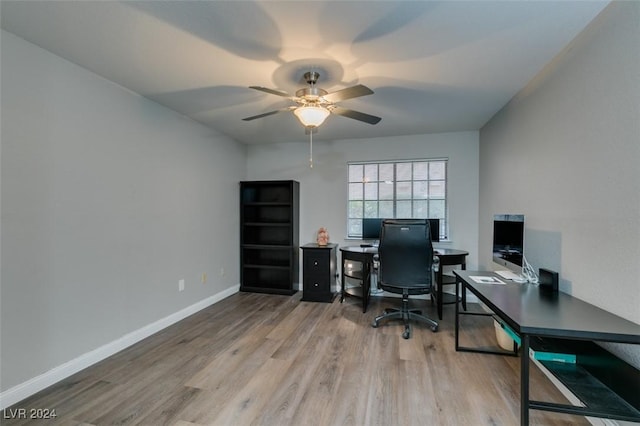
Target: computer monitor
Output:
{"points": [[371, 229], [508, 241], [434, 228]]}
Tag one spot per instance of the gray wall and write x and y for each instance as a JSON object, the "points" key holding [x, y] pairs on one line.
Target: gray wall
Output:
{"points": [[108, 200], [566, 153], [323, 188]]}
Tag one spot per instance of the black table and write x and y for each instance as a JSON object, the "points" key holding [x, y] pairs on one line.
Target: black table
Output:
{"points": [[531, 312], [365, 255]]}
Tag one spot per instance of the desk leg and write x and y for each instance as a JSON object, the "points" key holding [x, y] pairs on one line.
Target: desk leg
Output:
{"points": [[342, 282], [464, 293], [439, 291], [524, 381], [366, 285], [457, 318]]}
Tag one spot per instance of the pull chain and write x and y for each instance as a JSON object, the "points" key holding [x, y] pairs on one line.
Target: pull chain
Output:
{"points": [[311, 149]]}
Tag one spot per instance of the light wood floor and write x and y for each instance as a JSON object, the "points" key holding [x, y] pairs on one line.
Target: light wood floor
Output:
{"points": [[255, 359]]}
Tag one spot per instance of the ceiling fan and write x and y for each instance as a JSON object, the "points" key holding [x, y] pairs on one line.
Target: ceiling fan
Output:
{"points": [[313, 105]]}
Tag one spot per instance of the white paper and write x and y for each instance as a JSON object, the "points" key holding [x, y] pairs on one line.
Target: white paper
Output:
{"points": [[483, 279]]}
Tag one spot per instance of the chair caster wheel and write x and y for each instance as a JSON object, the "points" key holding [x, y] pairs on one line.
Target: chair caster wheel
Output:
{"points": [[434, 328], [406, 335], [374, 324]]}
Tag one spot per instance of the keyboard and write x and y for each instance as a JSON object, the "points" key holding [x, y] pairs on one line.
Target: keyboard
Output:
{"points": [[509, 275]]}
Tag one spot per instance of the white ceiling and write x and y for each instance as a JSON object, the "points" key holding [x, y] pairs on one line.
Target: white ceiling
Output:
{"points": [[435, 66]]}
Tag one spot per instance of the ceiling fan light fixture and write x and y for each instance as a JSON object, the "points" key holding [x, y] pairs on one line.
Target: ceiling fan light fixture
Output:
{"points": [[311, 116]]}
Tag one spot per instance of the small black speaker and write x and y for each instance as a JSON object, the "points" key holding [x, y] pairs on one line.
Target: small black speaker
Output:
{"points": [[548, 280]]}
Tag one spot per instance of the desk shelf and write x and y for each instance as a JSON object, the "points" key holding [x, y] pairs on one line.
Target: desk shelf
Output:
{"points": [[353, 281], [606, 385], [356, 275], [354, 291]]}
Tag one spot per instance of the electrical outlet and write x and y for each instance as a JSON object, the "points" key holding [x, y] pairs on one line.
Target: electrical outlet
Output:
{"points": [[203, 278], [181, 285]]}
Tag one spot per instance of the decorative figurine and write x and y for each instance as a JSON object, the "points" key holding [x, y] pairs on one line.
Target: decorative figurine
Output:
{"points": [[323, 237]]}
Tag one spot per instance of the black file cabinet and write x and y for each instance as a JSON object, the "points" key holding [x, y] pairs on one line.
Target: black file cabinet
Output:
{"points": [[319, 272]]}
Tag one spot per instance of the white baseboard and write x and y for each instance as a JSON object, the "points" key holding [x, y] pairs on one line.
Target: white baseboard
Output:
{"points": [[38, 383]]}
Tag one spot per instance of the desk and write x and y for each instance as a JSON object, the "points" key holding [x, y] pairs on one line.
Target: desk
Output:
{"points": [[365, 255], [529, 313]]}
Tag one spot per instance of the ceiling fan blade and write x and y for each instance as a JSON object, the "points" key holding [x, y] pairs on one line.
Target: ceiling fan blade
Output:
{"points": [[271, 91], [348, 93], [266, 114], [356, 115]]}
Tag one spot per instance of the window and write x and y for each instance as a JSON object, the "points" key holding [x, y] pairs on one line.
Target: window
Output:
{"points": [[415, 189]]}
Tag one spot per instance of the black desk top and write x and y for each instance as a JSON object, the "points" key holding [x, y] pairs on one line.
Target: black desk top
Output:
{"points": [[436, 252], [362, 250], [317, 246], [530, 311]]}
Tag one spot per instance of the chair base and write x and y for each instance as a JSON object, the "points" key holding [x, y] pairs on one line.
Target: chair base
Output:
{"points": [[406, 315]]}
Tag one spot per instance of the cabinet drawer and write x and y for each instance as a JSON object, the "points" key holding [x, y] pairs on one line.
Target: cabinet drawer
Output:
{"points": [[315, 265], [316, 284]]}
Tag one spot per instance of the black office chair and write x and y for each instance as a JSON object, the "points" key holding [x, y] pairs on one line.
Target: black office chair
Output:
{"points": [[407, 265]]}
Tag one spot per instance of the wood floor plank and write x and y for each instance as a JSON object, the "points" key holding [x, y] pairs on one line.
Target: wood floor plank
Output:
{"points": [[168, 410], [301, 375], [235, 367], [249, 403], [259, 359]]}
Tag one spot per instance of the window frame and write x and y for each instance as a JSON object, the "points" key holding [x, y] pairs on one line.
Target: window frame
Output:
{"points": [[369, 193]]}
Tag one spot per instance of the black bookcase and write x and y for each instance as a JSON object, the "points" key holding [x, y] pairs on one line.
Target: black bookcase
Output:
{"points": [[269, 236]]}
